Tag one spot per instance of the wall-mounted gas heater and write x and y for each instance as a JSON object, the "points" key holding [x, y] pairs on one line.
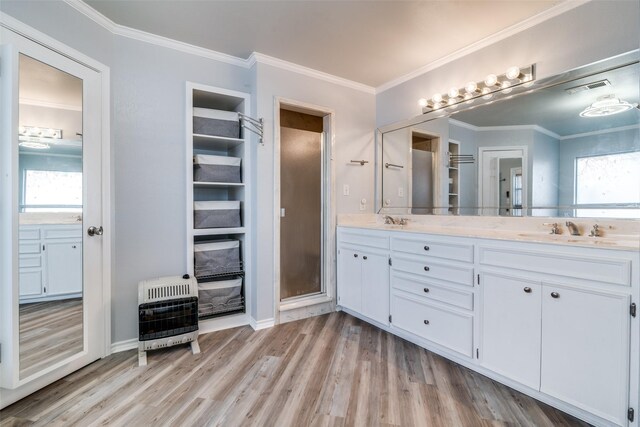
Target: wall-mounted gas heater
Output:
{"points": [[167, 314]]}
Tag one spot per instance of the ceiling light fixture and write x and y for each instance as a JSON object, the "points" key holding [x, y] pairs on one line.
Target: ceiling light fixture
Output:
{"points": [[35, 145], [606, 105], [492, 84]]}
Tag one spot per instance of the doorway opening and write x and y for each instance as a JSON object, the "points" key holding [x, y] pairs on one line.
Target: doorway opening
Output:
{"points": [[424, 149], [502, 181], [304, 241]]}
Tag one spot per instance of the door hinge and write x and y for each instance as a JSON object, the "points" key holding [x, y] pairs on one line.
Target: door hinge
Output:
{"points": [[390, 262], [43, 247], [478, 278], [632, 309], [477, 353], [389, 318], [630, 414]]}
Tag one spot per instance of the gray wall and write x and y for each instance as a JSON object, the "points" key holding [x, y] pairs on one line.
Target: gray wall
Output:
{"points": [[606, 143], [565, 42], [545, 174]]}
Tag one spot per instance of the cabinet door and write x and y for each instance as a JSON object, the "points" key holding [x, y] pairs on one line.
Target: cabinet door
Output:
{"points": [[63, 268], [585, 350], [30, 282], [375, 287], [350, 279], [511, 328]]}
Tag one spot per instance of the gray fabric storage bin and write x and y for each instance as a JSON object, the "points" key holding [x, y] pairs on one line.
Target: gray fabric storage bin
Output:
{"points": [[216, 214], [220, 296], [217, 257], [207, 121], [216, 168]]}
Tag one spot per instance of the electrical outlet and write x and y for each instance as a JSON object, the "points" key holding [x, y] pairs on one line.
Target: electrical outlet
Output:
{"points": [[363, 204], [400, 191], [345, 190]]}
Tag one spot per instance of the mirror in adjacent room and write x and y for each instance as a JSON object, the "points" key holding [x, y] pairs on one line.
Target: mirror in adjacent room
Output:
{"points": [[50, 215], [568, 146]]}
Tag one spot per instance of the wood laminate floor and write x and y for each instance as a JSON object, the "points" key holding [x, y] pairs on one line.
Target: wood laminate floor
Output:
{"points": [[49, 332], [331, 370]]}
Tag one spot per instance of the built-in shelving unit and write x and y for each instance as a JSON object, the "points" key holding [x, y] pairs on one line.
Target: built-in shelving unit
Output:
{"points": [[219, 315], [454, 178]]}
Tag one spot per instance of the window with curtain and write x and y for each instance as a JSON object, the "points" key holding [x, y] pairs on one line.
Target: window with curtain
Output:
{"points": [[608, 185]]}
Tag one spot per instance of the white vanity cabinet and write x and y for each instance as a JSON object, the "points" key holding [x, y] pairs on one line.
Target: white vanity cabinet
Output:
{"points": [[553, 321], [363, 274], [50, 263]]}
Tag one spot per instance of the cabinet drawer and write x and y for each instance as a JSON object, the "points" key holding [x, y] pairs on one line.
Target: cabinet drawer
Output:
{"points": [[426, 246], [29, 248], [429, 269], [30, 261], [432, 291], [63, 233], [444, 327], [370, 238], [29, 234], [609, 270]]}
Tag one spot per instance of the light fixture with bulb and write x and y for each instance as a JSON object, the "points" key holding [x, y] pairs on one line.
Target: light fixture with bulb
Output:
{"points": [[606, 105], [37, 137], [491, 85]]}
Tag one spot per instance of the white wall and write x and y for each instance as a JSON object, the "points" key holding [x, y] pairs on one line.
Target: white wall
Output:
{"points": [[354, 140], [588, 33]]}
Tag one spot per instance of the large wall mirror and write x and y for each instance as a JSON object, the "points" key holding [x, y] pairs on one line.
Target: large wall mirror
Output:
{"points": [[50, 189], [567, 146]]}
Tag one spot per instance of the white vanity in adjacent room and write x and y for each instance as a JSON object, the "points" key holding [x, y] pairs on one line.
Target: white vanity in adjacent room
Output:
{"points": [[552, 316]]}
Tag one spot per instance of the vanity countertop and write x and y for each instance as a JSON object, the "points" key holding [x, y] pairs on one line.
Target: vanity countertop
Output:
{"points": [[616, 234], [50, 218]]}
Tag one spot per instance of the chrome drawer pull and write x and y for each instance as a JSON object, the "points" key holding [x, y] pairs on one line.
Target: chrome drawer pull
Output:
{"points": [[355, 255], [527, 290], [426, 289], [426, 322], [555, 295], [426, 269], [426, 248], [364, 257]]}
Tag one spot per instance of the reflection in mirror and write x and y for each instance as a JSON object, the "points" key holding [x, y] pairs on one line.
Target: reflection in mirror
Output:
{"points": [[568, 147], [50, 204]]}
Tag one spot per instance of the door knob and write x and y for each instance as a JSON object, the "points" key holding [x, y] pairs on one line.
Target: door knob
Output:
{"points": [[95, 231]]}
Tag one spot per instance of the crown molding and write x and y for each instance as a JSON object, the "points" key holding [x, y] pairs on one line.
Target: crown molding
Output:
{"points": [[290, 66], [536, 128], [545, 15], [45, 104], [599, 132], [248, 63]]}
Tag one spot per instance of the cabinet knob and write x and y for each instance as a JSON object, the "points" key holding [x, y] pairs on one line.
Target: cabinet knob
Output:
{"points": [[364, 257], [527, 290], [426, 322], [555, 295], [355, 255], [426, 289], [426, 268], [73, 246], [426, 248]]}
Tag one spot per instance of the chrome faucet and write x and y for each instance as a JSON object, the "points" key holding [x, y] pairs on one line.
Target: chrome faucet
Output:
{"points": [[573, 229], [595, 231], [389, 220], [403, 221], [554, 227]]}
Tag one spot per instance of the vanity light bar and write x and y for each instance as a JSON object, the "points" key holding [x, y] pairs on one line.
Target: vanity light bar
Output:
{"points": [[503, 83], [38, 132]]}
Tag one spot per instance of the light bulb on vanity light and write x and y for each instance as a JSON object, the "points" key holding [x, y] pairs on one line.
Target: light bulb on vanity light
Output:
{"points": [[471, 87], [468, 97], [453, 93], [422, 102], [486, 92], [491, 80], [437, 98], [513, 72]]}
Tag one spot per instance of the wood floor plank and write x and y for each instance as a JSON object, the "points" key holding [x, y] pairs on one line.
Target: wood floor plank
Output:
{"points": [[332, 370]]}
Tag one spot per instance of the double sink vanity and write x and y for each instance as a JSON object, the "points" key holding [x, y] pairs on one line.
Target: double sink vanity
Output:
{"points": [[551, 315]]}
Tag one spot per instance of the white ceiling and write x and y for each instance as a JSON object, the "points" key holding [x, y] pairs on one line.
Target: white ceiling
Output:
{"points": [[370, 42]]}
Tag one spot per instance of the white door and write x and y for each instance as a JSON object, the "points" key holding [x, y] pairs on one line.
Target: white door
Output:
{"points": [[375, 287], [37, 81], [489, 176], [585, 350], [350, 279], [511, 328]]}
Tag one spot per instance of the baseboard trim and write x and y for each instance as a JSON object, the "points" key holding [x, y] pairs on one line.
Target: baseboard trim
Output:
{"points": [[125, 345], [262, 324]]}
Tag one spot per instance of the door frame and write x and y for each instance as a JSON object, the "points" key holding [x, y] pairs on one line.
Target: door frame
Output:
{"points": [[33, 383], [525, 174], [328, 214]]}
